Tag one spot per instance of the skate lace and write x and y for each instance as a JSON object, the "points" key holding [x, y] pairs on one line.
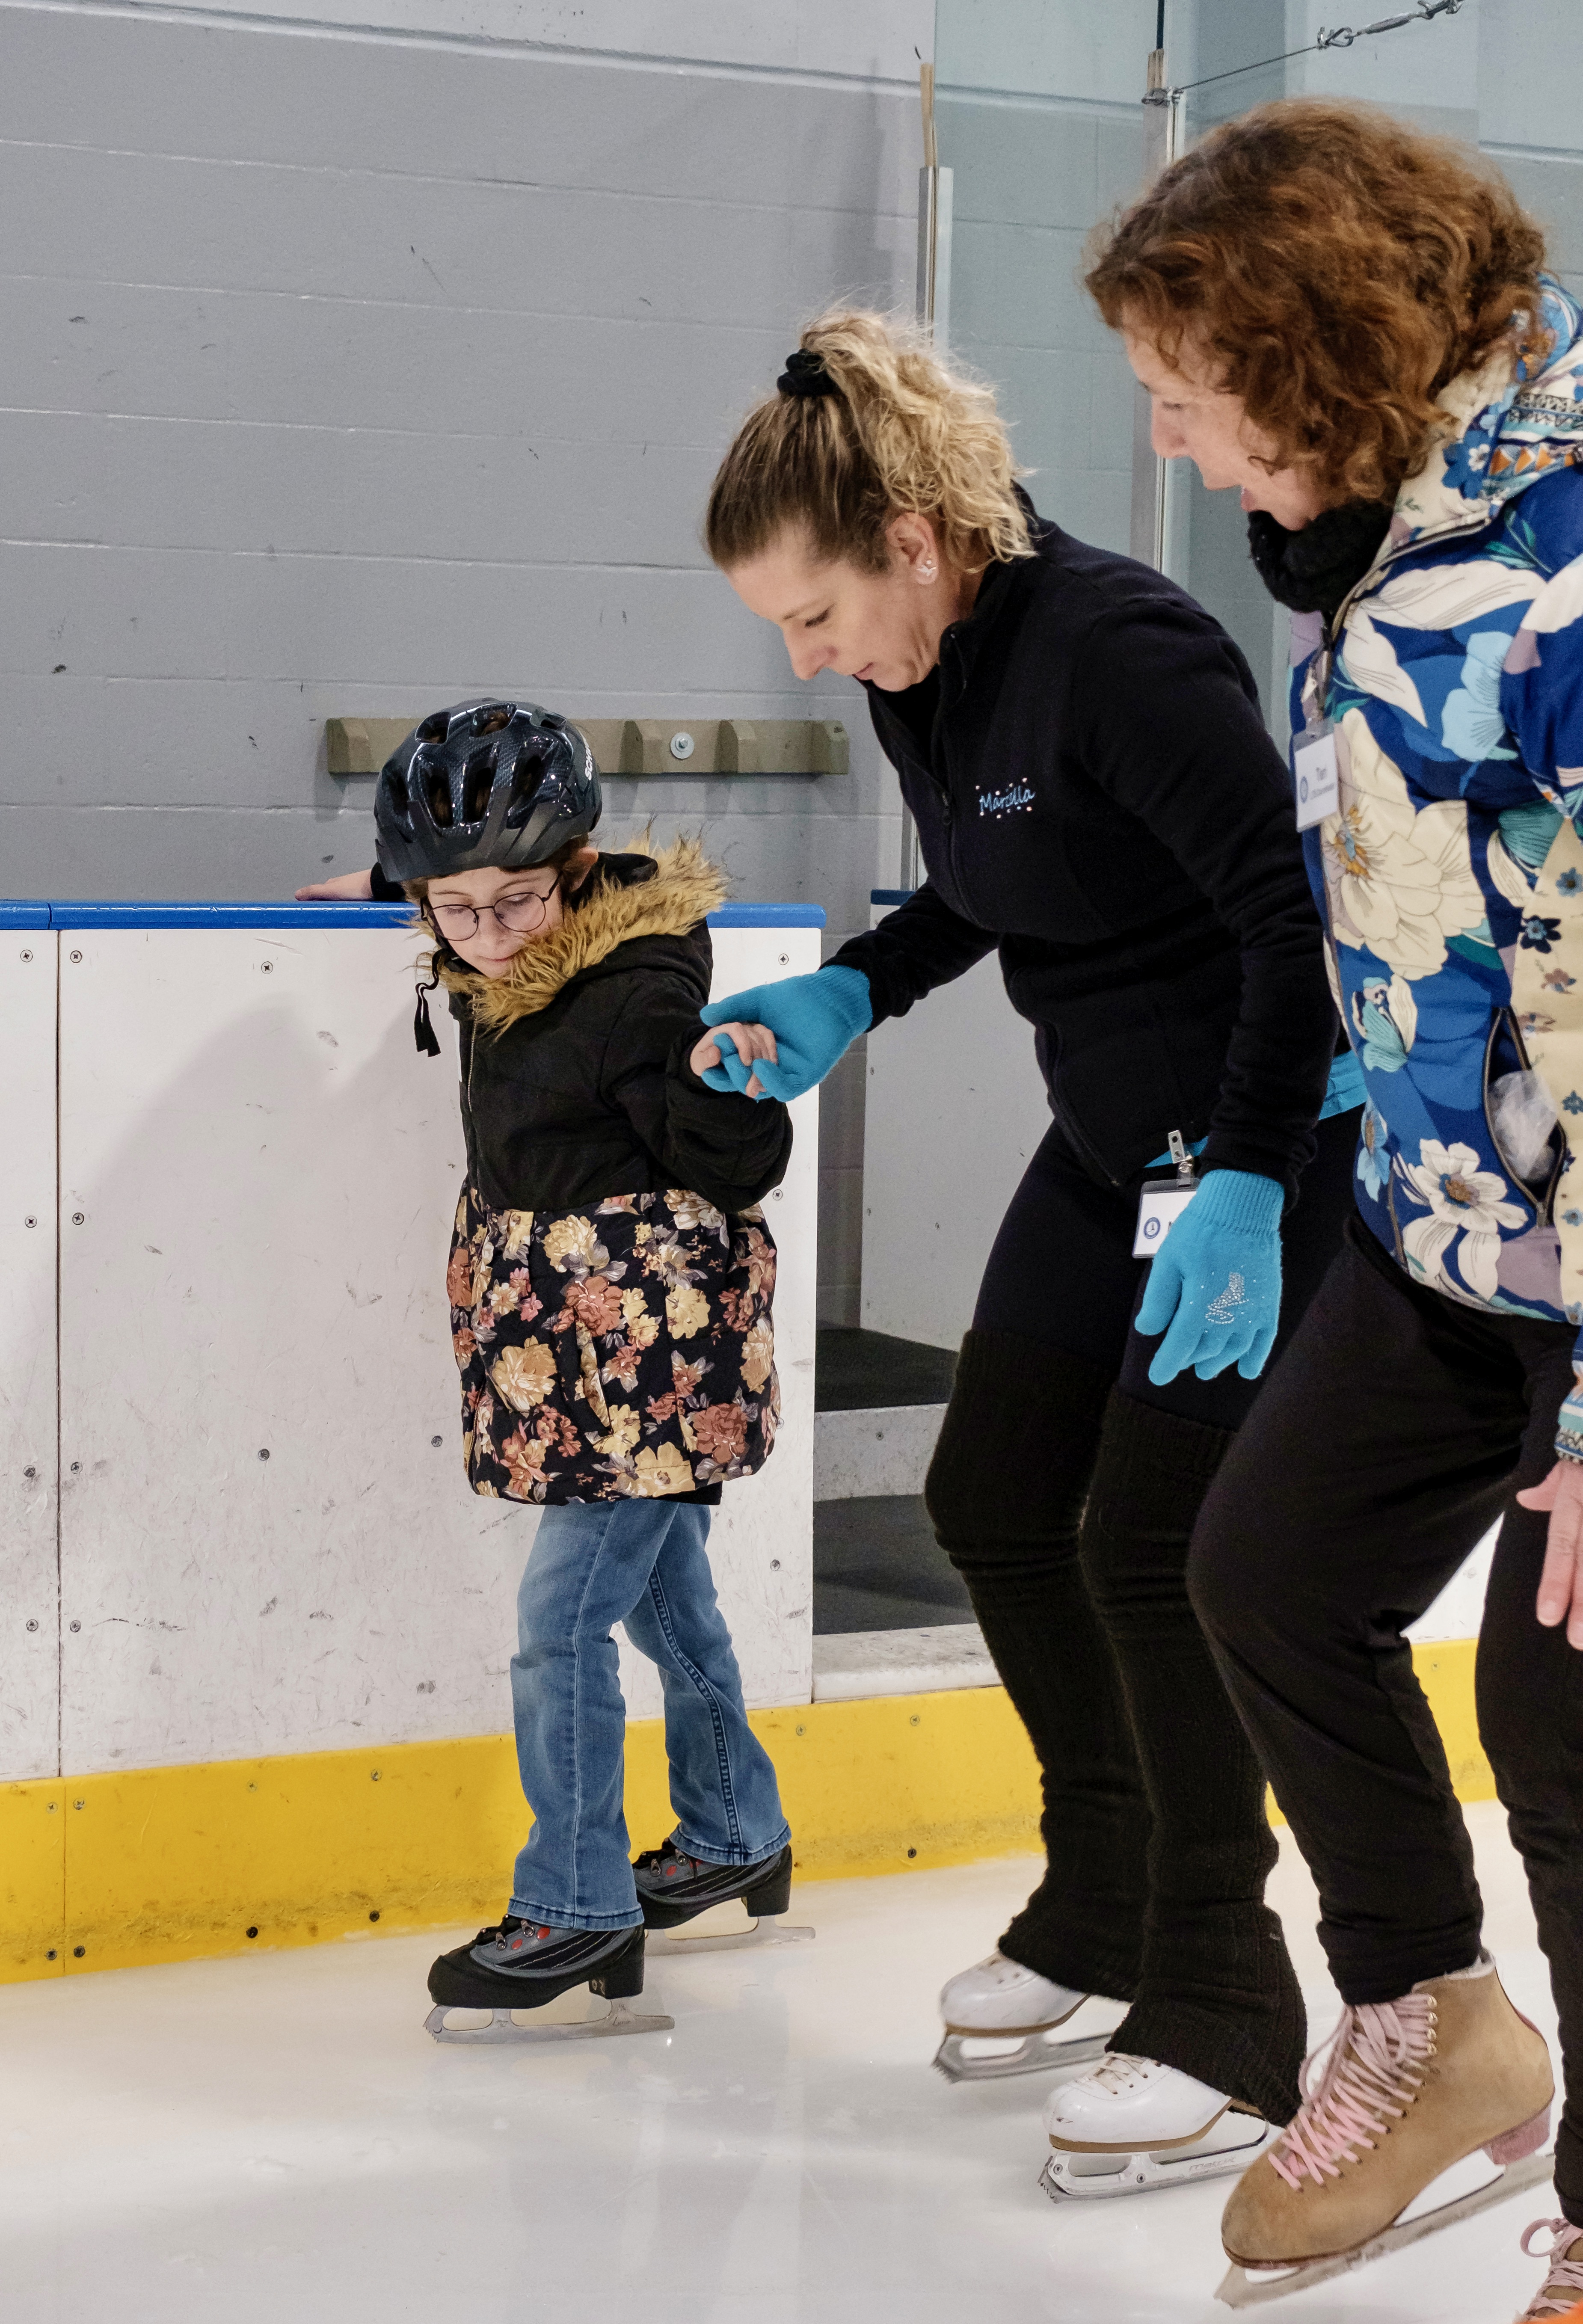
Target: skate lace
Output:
{"points": [[1563, 2286], [1118, 2071], [1368, 2075]]}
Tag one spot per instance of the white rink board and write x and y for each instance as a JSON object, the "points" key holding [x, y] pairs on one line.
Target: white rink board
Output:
{"points": [[29, 1610], [264, 1170]]}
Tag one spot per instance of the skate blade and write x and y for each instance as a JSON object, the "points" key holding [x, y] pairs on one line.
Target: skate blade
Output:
{"points": [[502, 2026], [1034, 2054], [769, 1929], [1250, 2287], [1094, 2178]]}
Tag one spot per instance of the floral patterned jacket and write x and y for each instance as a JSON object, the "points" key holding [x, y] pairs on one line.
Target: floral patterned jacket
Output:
{"points": [[1451, 876]]}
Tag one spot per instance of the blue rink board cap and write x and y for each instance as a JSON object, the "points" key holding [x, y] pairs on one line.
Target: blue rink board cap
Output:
{"points": [[86, 914]]}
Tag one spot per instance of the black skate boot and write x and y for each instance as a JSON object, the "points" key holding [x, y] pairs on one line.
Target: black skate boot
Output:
{"points": [[523, 1965], [674, 1887]]}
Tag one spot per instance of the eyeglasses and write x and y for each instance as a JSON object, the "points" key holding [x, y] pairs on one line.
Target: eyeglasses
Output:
{"points": [[521, 914]]}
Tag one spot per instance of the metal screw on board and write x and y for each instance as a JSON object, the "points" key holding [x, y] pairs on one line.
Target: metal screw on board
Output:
{"points": [[75, 1467], [30, 1474], [77, 957], [252, 1932], [32, 1626], [29, 1223], [778, 1193], [79, 1218], [263, 1451], [76, 1625], [775, 1565], [682, 746], [27, 956], [266, 968], [436, 1439], [78, 1952], [784, 958]]}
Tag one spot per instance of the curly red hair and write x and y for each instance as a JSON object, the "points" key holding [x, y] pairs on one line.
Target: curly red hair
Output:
{"points": [[1338, 268]]}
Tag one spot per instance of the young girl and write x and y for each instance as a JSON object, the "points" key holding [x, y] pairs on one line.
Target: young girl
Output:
{"points": [[611, 1280]]}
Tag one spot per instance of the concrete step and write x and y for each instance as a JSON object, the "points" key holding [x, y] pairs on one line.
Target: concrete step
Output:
{"points": [[851, 1666], [885, 1449]]}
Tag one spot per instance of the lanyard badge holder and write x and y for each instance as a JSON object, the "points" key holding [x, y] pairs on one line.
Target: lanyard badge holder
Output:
{"points": [[1162, 1200], [1315, 775]]}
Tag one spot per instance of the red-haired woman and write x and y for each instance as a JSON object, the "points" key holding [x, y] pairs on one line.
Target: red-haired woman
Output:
{"points": [[1350, 321]]}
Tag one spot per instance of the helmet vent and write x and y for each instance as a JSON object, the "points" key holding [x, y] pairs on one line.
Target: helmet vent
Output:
{"points": [[438, 791], [477, 782]]}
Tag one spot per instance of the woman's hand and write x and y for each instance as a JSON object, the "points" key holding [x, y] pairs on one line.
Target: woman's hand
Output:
{"points": [[1561, 1586], [734, 1050], [351, 887]]}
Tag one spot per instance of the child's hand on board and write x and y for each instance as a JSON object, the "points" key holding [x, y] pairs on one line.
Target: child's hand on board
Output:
{"points": [[351, 887], [725, 1057]]}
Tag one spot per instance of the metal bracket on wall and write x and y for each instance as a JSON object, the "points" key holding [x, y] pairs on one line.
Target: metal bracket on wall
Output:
{"points": [[708, 747]]}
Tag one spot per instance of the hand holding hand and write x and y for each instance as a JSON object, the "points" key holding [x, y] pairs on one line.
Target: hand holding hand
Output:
{"points": [[350, 888], [731, 1051], [1214, 1287], [812, 1021], [1560, 1584]]}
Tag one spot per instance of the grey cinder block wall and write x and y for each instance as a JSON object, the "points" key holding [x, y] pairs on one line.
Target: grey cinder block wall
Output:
{"points": [[350, 373]]}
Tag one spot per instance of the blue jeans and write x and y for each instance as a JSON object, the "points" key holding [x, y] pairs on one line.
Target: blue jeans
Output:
{"points": [[644, 1564]]}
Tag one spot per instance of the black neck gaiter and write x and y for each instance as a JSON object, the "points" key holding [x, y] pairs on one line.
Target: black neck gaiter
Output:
{"points": [[1312, 570]]}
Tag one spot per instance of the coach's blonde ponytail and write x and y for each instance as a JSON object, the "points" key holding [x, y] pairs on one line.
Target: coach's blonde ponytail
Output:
{"points": [[892, 429]]}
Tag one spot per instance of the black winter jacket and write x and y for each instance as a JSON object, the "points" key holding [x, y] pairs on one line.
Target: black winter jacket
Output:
{"points": [[575, 1085], [1095, 793]]}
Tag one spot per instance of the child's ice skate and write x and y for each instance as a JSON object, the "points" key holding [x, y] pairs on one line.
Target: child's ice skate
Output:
{"points": [[1134, 2124], [520, 1965], [674, 1887], [1560, 2296], [999, 2016], [1409, 2089]]}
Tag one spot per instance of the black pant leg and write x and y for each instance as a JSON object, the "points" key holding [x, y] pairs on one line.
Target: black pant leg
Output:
{"points": [[1380, 1452], [1005, 1492], [1531, 1722]]}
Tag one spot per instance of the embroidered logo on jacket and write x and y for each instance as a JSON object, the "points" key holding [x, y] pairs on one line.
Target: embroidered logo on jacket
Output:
{"points": [[1004, 802]]}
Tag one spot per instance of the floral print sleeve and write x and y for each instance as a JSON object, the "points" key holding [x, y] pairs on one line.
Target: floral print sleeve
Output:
{"points": [[629, 1352]]}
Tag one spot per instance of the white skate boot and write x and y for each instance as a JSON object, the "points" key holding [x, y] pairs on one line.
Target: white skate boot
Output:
{"points": [[1134, 2124], [997, 2015]]}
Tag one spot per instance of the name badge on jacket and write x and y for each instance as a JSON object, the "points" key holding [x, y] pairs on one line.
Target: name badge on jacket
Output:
{"points": [[1159, 1206], [1318, 780]]}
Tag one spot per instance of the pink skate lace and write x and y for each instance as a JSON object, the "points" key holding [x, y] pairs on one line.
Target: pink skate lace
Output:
{"points": [[1563, 2286], [1373, 2052]]}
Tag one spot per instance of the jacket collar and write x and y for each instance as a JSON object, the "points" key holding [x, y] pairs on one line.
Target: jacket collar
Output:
{"points": [[679, 888], [1515, 418]]}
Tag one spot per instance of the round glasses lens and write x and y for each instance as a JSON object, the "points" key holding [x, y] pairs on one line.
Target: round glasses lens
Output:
{"points": [[456, 920], [522, 914]]}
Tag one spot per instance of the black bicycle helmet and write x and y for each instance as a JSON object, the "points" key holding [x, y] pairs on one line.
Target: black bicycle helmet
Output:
{"points": [[485, 786]]}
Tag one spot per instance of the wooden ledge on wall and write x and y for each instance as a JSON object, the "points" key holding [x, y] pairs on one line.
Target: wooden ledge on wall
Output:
{"points": [[642, 746]]}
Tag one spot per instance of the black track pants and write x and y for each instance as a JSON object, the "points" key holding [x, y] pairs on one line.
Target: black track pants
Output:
{"points": [[1391, 1438], [1064, 1488]]}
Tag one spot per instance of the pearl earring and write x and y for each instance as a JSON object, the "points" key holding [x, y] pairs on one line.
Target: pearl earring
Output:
{"points": [[927, 571]]}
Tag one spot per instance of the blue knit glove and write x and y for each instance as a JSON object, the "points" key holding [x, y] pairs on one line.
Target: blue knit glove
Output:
{"points": [[815, 1020], [1216, 1281]]}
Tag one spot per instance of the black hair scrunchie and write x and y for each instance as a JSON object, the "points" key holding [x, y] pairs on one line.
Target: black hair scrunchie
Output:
{"points": [[805, 374]]}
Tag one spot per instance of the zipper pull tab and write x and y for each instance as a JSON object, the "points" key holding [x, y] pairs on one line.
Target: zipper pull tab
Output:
{"points": [[1180, 1154]]}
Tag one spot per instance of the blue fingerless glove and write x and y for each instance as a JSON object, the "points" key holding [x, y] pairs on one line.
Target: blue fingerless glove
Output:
{"points": [[1216, 1281], [815, 1020]]}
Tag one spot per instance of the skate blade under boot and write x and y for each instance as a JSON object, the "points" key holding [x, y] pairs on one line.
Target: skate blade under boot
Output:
{"points": [[1244, 2287], [667, 1921], [457, 1982], [1090, 2174], [502, 2025], [966, 2056]]}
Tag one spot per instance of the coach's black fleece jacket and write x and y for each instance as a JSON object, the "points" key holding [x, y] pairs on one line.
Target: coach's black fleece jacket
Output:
{"points": [[1095, 793]]}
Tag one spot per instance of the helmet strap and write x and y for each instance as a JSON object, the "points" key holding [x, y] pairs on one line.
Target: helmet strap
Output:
{"points": [[423, 1032]]}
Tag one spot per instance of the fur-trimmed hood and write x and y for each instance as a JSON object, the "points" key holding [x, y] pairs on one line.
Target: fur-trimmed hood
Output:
{"points": [[625, 896]]}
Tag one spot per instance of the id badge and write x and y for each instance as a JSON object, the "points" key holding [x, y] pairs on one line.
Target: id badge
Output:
{"points": [[1160, 1205], [1318, 780]]}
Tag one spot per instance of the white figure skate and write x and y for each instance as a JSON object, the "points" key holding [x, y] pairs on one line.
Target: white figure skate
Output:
{"points": [[998, 2017], [1134, 2125]]}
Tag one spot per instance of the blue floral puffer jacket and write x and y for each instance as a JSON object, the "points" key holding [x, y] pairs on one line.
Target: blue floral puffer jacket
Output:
{"points": [[1451, 876]]}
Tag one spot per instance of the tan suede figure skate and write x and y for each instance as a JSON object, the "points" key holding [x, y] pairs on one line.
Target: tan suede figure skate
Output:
{"points": [[1406, 2090]]}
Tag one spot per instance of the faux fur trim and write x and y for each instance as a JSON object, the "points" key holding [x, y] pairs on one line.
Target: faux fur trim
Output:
{"points": [[685, 889]]}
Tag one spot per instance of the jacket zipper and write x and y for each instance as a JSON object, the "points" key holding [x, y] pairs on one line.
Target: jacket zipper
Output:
{"points": [[1542, 1205], [1334, 625]]}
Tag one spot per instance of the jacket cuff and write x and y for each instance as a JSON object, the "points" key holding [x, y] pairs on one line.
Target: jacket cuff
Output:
{"points": [[1570, 1425]]}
